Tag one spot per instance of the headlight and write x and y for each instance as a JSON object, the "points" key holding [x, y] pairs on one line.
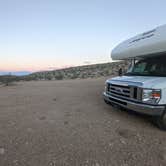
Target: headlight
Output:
{"points": [[151, 96]]}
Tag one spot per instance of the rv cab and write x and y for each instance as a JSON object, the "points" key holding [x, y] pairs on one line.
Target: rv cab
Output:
{"points": [[143, 87]]}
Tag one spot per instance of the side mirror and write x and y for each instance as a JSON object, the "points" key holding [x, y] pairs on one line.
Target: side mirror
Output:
{"points": [[120, 72]]}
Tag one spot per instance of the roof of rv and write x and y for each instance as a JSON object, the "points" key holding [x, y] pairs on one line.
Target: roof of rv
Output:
{"points": [[148, 43]]}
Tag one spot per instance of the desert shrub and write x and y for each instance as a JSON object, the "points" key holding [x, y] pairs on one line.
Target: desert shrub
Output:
{"points": [[59, 76], [48, 77], [8, 80]]}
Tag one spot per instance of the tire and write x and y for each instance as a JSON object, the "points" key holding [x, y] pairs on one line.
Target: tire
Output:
{"points": [[161, 121], [107, 102]]}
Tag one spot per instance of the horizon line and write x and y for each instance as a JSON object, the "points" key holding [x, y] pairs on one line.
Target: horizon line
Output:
{"points": [[50, 68]]}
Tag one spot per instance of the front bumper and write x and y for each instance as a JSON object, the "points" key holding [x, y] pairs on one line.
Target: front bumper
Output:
{"points": [[137, 107]]}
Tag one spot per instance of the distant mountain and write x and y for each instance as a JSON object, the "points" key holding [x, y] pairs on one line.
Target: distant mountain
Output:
{"points": [[80, 72], [19, 73]]}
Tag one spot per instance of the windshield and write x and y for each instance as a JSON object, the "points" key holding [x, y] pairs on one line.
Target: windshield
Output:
{"points": [[155, 66]]}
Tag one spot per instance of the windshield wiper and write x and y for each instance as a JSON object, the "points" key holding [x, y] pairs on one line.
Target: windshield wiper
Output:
{"points": [[148, 74], [137, 74], [131, 74]]}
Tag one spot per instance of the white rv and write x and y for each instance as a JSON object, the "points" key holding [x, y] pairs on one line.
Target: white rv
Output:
{"points": [[143, 87]]}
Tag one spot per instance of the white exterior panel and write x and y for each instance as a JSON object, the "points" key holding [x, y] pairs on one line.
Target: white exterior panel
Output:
{"points": [[145, 44]]}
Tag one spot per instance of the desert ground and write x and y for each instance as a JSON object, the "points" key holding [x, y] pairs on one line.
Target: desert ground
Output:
{"points": [[67, 123]]}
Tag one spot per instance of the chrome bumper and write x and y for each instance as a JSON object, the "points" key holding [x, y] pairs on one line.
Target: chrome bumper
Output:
{"points": [[141, 108]]}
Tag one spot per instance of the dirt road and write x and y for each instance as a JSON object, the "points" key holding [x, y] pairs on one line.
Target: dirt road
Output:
{"points": [[67, 123]]}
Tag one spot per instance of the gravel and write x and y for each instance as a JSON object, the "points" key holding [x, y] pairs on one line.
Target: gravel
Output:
{"points": [[67, 123]]}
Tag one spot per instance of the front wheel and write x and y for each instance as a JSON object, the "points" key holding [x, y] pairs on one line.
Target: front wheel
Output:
{"points": [[106, 101], [161, 121], [109, 103]]}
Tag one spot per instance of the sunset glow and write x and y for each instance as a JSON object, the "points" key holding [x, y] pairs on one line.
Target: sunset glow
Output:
{"points": [[43, 35]]}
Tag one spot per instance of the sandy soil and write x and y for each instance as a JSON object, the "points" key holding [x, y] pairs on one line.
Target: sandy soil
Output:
{"points": [[67, 123]]}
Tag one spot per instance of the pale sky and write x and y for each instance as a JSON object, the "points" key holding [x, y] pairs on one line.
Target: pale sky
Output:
{"points": [[46, 34]]}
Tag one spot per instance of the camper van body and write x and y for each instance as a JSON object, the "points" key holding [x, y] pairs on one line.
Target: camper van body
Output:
{"points": [[143, 87]]}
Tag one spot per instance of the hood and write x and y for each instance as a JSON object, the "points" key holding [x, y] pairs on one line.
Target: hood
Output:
{"points": [[141, 81]]}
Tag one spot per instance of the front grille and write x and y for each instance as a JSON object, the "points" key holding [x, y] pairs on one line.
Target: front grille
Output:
{"points": [[118, 101], [129, 92], [119, 90]]}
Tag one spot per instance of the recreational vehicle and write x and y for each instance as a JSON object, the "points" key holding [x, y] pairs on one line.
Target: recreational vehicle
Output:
{"points": [[143, 87]]}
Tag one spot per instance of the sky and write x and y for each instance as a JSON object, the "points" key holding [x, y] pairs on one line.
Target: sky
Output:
{"points": [[40, 35]]}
